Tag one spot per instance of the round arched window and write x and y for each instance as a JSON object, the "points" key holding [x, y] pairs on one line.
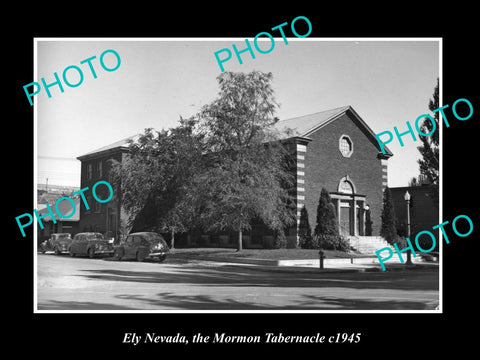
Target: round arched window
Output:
{"points": [[345, 145], [346, 185]]}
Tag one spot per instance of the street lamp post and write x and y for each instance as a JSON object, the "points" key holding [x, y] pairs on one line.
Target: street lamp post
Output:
{"points": [[409, 252]]}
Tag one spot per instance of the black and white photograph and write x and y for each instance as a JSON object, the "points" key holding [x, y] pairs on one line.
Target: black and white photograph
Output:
{"points": [[167, 184]]}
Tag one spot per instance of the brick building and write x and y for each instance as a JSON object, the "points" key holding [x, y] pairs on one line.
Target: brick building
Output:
{"points": [[424, 210], [101, 217], [334, 149], [337, 150]]}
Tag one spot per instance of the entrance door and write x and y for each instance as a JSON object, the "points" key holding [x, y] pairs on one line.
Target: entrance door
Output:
{"points": [[346, 219]]}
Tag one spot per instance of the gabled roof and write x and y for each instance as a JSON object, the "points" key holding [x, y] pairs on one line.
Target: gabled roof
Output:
{"points": [[121, 144], [303, 126]]}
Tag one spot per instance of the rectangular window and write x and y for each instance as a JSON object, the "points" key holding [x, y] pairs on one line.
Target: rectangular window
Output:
{"points": [[89, 171], [99, 169], [97, 206]]}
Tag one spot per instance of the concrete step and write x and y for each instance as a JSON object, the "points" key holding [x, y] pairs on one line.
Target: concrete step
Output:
{"points": [[368, 244]]}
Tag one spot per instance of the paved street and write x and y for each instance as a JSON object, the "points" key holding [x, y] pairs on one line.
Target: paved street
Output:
{"points": [[66, 283]]}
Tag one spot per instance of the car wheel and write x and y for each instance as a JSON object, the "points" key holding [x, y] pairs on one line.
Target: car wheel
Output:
{"points": [[118, 254], [72, 254], [140, 256], [57, 252], [91, 253], [162, 258]]}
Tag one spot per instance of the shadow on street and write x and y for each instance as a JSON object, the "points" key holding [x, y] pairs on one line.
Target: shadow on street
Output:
{"points": [[315, 290], [239, 276]]}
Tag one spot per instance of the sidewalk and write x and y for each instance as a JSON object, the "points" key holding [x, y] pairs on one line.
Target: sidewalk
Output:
{"points": [[354, 264]]}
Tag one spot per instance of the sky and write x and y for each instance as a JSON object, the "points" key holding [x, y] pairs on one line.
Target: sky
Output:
{"points": [[388, 82]]}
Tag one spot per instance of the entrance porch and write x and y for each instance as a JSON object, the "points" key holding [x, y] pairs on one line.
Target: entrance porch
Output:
{"points": [[352, 213]]}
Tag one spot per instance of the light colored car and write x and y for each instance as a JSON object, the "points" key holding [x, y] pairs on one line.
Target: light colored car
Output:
{"points": [[141, 246], [91, 244]]}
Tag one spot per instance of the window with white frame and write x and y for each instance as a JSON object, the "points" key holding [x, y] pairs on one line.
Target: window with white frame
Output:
{"points": [[345, 145]]}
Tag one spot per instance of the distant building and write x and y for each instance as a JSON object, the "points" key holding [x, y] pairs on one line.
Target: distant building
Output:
{"points": [[55, 189], [424, 210], [334, 149], [70, 225]]}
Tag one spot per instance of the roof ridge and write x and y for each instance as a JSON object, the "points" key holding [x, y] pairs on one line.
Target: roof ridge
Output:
{"points": [[110, 146], [318, 112], [125, 139]]}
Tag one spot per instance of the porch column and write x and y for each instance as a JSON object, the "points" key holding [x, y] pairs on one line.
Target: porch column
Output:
{"points": [[361, 218], [355, 231], [338, 215], [364, 218]]}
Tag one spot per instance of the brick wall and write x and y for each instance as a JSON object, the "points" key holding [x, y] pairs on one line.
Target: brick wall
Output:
{"points": [[96, 218], [325, 166], [319, 163]]}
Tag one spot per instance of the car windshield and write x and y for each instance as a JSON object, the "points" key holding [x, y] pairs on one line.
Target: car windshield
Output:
{"points": [[153, 237], [96, 236], [63, 236]]}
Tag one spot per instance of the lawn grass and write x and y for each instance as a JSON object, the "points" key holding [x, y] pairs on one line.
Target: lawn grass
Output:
{"points": [[268, 254]]}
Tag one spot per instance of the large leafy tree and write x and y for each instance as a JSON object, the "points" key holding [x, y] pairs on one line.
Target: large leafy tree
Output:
{"points": [[247, 177], [243, 113], [220, 170], [157, 177]]}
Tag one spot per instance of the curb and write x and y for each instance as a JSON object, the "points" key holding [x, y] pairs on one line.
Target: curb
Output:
{"points": [[227, 259], [283, 263], [360, 264], [344, 270]]}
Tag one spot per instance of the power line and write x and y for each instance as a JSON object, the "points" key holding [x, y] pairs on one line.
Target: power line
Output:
{"points": [[57, 158]]}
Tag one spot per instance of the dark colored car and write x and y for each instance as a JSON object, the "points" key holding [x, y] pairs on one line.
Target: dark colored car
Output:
{"points": [[141, 246], [58, 242], [91, 244]]}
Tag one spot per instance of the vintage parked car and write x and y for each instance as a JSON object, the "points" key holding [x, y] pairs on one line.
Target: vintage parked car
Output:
{"points": [[141, 246], [58, 242], [91, 244]]}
